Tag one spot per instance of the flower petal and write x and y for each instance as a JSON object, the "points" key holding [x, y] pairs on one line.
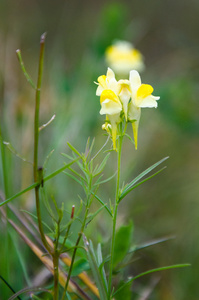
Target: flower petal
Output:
{"points": [[149, 101], [110, 74], [110, 103], [135, 81]]}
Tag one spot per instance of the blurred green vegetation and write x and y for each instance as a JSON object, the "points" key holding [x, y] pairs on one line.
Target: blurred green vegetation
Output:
{"points": [[78, 33]]}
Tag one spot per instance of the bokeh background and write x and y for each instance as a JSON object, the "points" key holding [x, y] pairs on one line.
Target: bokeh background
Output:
{"points": [[78, 32]]}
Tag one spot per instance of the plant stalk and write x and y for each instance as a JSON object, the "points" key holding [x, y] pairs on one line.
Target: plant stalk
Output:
{"points": [[36, 140], [74, 252], [117, 195]]}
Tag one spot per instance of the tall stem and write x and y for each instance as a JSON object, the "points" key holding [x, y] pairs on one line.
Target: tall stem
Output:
{"points": [[36, 139], [115, 210]]}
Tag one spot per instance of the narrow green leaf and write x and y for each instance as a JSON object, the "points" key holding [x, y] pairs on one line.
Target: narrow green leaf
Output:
{"points": [[105, 206], [94, 267], [149, 272], [151, 243], [123, 194], [14, 151], [89, 148], [105, 180], [48, 157], [122, 243], [141, 175], [73, 177], [77, 174], [101, 266], [32, 186], [74, 150], [47, 204], [35, 217], [18, 52], [67, 156], [101, 166], [92, 216], [68, 296], [130, 138]]}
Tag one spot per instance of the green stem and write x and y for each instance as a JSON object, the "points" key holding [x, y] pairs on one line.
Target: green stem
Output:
{"points": [[74, 252], [36, 141], [117, 195], [6, 189], [37, 106], [55, 257], [4, 168]]}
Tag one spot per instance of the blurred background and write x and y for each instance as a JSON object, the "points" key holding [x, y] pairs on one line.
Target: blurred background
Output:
{"points": [[78, 33]]}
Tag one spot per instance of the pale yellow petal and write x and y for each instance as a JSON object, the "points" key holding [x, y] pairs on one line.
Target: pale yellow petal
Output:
{"points": [[135, 81], [149, 101]]}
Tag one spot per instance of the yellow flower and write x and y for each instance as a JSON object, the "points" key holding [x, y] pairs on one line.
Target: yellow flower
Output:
{"points": [[141, 97], [123, 57], [111, 107], [107, 81]]}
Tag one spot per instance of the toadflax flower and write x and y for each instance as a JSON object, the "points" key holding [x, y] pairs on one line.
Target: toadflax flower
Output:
{"points": [[122, 101], [107, 81], [141, 96], [123, 57]]}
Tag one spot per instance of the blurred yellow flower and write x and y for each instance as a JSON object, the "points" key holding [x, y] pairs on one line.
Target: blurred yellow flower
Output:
{"points": [[123, 57]]}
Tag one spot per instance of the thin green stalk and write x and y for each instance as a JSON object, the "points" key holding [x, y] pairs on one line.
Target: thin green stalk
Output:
{"points": [[4, 169], [117, 195], [74, 253], [36, 140], [18, 52], [6, 189], [55, 257], [37, 106]]}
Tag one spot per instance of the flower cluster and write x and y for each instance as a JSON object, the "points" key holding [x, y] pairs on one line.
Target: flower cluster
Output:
{"points": [[123, 57], [122, 100]]}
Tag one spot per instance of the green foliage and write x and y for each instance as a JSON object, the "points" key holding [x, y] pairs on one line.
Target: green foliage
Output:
{"points": [[123, 293], [123, 240], [79, 266], [86, 170], [97, 268]]}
